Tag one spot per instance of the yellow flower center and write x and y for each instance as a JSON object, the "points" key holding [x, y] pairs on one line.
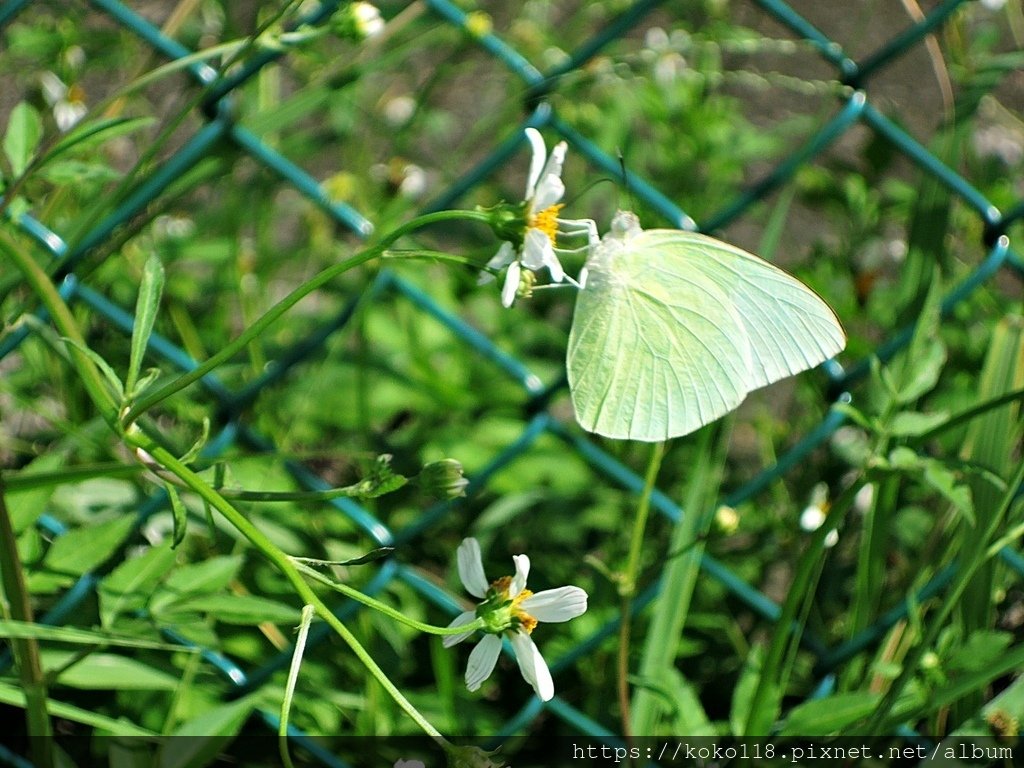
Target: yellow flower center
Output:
{"points": [[526, 621], [508, 613], [547, 221]]}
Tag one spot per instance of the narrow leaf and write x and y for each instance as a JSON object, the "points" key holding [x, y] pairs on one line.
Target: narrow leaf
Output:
{"points": [[15, 697], [180, 515], [145, 315], [209, 734]]}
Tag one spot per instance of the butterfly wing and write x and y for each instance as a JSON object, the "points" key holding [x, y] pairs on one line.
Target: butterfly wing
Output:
{"points": [[790, 327], [656, 350], [673, 329]]}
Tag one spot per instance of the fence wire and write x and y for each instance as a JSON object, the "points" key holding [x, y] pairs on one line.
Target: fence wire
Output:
{"points": [[853, 108]]}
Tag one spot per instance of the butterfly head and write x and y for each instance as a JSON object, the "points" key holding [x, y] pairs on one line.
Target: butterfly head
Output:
{"points": [[625, 225]]}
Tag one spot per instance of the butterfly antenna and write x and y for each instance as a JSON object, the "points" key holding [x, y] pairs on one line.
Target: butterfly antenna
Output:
{"points": [[625, 181]]}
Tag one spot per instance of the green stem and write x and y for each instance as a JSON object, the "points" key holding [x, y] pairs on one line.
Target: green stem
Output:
{"points": [[881, 719], [387, 610], [627, 586], [293, 298], [26, 651], [289, 688], [767, 695], [93, 381], [285, 566]]}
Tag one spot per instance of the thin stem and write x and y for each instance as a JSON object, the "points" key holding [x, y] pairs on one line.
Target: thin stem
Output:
{"points": [[260, 325], [285, 566], [881, 718], [93, 381], [387, 610], [289, 688], [26, 650], [627, 586]]}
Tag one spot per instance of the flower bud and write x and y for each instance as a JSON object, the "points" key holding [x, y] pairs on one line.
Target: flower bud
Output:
{"points": [[443, 479], [357, 22]]}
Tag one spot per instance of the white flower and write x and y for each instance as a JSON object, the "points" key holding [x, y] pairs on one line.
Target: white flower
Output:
{"points": [[66, 102], [535, 246], [814, 514], [368, 19], [510, 609], [357, 21]]}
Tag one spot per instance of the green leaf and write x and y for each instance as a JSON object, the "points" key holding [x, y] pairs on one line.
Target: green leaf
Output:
{"points": [[922, 372], [130, 586], [90, 134], [211, 575], [112, 378], [180, 515], [192, 453], [236, 609], [381, 479], [15, 697], [944, 480], [830, 715], [24, 131], [68, 172], [26, 630], [913, 424], [27, 506], [905, 459], [981, 649], [146, 307], [108, 671], [209, 734], [83, 549], [743, 693]]}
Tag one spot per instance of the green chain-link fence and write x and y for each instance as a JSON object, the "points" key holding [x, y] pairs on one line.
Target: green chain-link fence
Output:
{"points": [[231, 405]]}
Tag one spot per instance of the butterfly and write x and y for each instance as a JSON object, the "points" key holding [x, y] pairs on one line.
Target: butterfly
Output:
{"points": [[672, 329]]}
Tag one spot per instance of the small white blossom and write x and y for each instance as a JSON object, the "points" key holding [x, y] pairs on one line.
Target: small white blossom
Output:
{"points": [[510, 609], [813, 516], [357, 21], [66, 102], [537, 249]]}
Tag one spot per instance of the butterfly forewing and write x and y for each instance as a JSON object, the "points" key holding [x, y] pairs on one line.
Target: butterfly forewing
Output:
{"points": [[673, 329], [789, 326]]}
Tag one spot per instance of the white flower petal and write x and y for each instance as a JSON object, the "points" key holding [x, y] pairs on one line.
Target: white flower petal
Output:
{"points": [[554, 265], [553, 167], [539, 253], [522, 574], [482, 661], [555, 605], [505, 256], [471, 567], [532, 665], [549, 191], [463, 618], [511, 286], [537, 164]]}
